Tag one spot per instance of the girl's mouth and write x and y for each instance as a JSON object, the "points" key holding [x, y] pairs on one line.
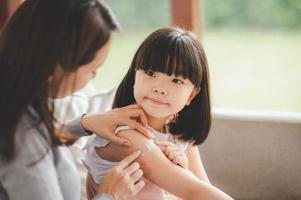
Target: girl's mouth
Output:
{"points": [[157, 102]]}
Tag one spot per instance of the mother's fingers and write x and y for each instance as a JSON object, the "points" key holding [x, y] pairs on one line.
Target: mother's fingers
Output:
{"points": [[133, 124], [119, 140], [132, 168], [128, 160], [136, 112], [136, 175], [138, 186], [132, 106], [132, 111]]}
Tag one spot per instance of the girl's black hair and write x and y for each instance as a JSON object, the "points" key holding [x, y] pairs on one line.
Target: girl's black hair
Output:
{"points": [[41, 35], [178, 52]]}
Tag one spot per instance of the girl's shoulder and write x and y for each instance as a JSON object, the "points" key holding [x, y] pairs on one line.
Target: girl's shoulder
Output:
{"points": [[97, 141], [160, 136]]}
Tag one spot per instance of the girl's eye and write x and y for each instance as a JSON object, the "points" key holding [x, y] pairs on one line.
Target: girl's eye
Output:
{"points": [[177, 81], [150, 73]]}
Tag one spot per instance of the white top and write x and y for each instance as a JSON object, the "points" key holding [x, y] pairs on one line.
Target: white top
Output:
{"points": [[39, 172]]}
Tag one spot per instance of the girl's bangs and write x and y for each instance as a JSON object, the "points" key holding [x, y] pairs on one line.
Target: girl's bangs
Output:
{"points": [[171, 57]]}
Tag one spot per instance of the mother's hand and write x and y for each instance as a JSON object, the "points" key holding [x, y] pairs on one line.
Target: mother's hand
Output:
{"points": [[104, 124], [124, 180]]}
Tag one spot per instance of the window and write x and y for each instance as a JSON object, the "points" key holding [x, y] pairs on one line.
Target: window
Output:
{"points": [[253, 48], [254, 53]]}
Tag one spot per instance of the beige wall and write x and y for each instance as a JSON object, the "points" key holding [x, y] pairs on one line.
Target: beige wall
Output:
{"points": [[253, 155]]}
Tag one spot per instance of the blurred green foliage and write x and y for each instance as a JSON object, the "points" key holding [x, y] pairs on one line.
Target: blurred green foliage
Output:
{"points": [[260, 14], [253, 48], [141, 14]]}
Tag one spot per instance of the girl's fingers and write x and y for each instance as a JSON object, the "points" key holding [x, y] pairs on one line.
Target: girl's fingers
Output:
{"points": [[174, 154], [167, 147], [181, 162], [162, 147]]}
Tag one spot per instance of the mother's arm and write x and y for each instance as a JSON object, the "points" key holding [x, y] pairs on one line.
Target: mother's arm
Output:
{"points": [[161, 171], [104, 124]]}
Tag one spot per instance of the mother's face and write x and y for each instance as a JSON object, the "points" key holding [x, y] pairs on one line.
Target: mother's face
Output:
{"points": [[62, 84]]}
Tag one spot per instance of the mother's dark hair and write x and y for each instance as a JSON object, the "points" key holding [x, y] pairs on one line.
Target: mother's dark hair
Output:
{"points": [[41, 35]]}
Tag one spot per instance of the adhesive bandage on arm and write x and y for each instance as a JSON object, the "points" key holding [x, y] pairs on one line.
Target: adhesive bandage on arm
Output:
{"points": [[147, 147]]}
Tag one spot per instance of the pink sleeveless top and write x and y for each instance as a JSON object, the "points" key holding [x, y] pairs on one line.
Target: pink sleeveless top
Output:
{"points": [[98, 167]]}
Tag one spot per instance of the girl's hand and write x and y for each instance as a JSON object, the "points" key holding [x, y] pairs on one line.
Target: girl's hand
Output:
{"points": [[123, 181], [173, 153], [104, 124]]}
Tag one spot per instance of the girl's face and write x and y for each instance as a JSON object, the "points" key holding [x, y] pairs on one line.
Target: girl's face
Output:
{"points": [[62, 84], [162, 96]]}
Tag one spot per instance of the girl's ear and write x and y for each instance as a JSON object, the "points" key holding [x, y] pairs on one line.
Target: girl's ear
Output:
{"points": [[194, 92]]}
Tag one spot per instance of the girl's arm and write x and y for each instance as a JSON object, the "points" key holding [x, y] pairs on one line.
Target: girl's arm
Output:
{"points": [[195, 164], [160, 170]]}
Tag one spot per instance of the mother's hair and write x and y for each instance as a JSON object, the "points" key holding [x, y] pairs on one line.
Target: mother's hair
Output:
{"points": [[41, 35]]}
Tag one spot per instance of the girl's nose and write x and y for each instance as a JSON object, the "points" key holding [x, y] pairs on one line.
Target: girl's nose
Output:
{"points": [[157, 91]]}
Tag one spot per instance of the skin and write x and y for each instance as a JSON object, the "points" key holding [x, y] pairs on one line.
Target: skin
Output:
{"points": [[161, 96], [127, 174], [63, 83], [156, 165], [123, 181]]}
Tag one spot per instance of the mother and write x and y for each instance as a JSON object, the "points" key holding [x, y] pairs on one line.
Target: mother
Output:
{"points": [[50, 49]]}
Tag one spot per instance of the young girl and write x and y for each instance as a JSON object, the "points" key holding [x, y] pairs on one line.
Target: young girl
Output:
{"points": [[168, 79]]}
